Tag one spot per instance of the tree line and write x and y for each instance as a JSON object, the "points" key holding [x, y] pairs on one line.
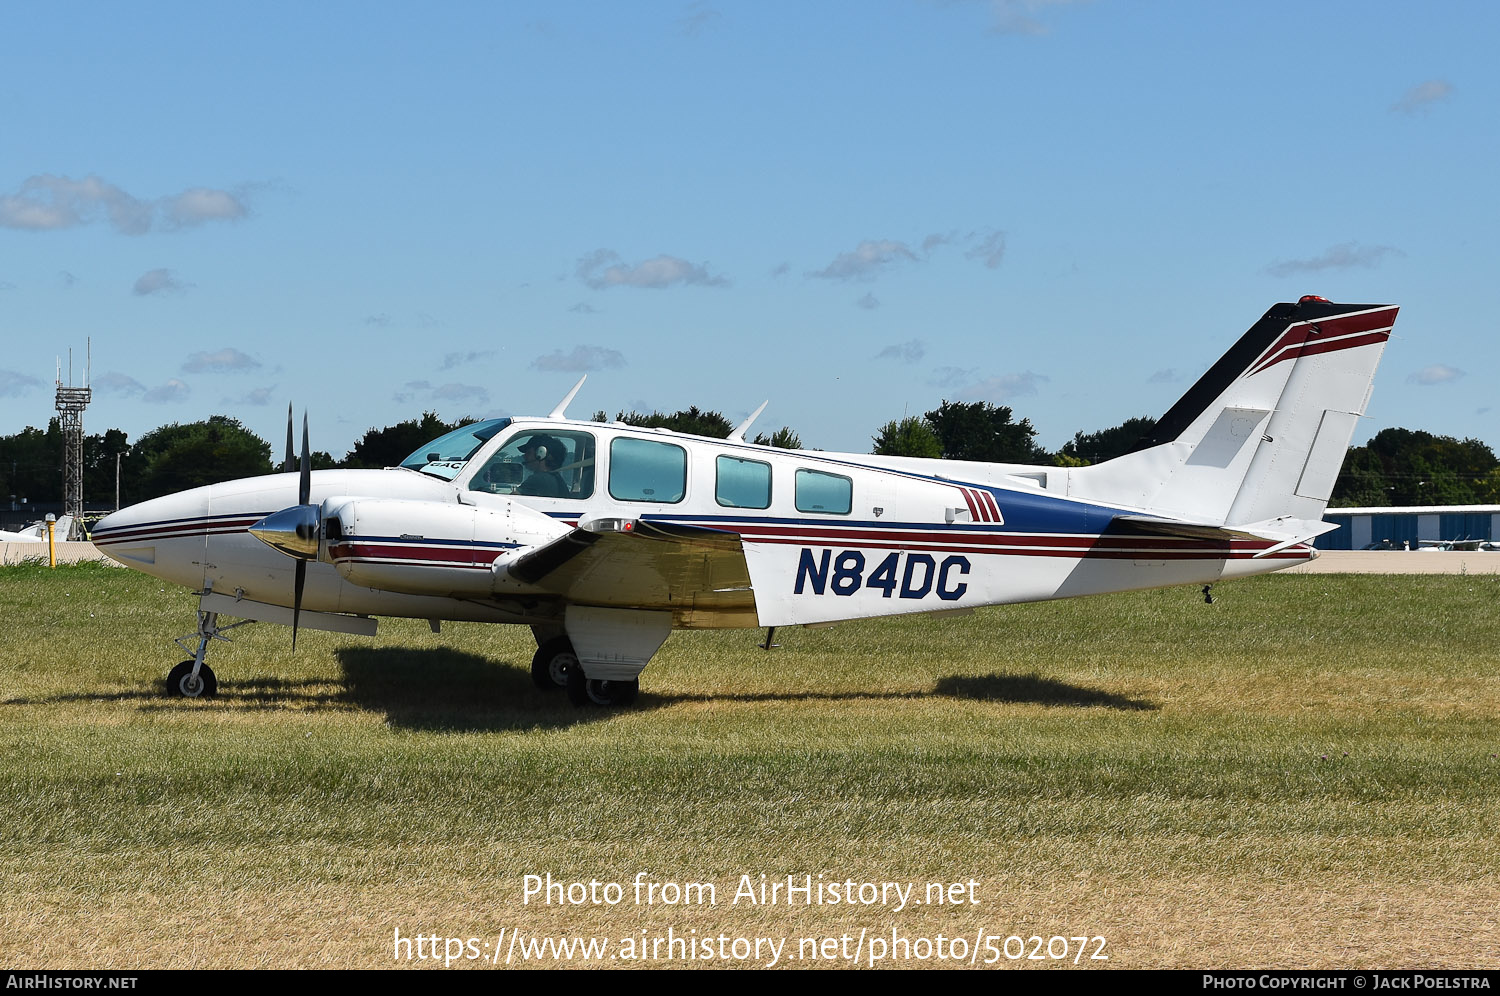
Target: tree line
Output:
{"points": [[1396, 467]]}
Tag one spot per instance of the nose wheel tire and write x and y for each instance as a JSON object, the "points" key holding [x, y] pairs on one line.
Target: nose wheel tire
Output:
{"points": [[553, 662], [595, 691], [180, 682]]}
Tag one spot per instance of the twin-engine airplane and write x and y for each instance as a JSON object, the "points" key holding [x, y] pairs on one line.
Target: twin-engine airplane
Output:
{"points": [[603, 538]]}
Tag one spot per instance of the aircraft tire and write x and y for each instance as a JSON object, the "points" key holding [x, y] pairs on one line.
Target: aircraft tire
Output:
{"points": [[180, 683], [584, 691], [553, 662]]}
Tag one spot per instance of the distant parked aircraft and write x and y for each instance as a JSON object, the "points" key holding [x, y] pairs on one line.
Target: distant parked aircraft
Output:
{"points": [[37, 532]]}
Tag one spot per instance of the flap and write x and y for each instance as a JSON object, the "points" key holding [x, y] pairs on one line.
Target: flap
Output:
{"points": [[642, 564]]}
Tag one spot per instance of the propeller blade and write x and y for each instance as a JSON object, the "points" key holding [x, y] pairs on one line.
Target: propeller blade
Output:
{"points": [[290, 463], [304, 483], [300, 580]]}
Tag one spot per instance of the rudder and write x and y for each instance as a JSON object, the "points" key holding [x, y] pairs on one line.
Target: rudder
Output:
{"points": [[1262, 435]]}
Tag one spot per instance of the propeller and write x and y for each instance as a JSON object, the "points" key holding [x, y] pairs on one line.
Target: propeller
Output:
{"points": [[291, 460], [294, 531]]}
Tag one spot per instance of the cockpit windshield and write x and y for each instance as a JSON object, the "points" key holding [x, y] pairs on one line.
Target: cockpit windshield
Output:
{"points": [[446, 455]]}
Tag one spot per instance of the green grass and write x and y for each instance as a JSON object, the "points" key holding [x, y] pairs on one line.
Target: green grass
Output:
{"points": [[1302, 773]]}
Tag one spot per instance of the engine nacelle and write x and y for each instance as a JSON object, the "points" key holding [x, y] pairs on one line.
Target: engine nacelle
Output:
{"points": [[427, 547]]}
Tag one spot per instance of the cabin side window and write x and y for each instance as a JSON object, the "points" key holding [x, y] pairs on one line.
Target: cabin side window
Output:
{"points": [[742, 483], [646, 470], [541, 464], [829, 494]]}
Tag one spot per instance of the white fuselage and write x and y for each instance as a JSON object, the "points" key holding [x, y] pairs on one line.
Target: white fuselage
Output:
{"points": [[826, 536]]}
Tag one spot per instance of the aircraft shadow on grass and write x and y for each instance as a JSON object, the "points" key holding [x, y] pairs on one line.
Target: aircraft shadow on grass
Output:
{"points": [[1034, 689], [418, 689], [450, 690], [439, 689]]}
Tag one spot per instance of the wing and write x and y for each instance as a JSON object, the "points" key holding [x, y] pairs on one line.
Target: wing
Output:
{"points": [[698, 574]]}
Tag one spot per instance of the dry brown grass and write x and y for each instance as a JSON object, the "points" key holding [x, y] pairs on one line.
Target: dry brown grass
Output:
{"points": [[1301, 775]]}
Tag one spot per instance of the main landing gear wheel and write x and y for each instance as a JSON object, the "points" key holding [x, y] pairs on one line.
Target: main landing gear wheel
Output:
{"points": [[180, 681], [599, 692], [553, 662]]}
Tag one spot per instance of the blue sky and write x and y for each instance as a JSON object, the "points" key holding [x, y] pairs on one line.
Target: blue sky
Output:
{"points": [[856, 210]]}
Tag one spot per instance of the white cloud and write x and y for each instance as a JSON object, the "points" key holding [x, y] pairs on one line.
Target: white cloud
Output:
{"points": [[48, 203], [990, 248], [258, 397], [999, 390], [379, 321], [200, 204], [580, 359], [226, 360], [172, 390], [865, 260], [584, 308], [427, 393], [986, 244], [413, 389], [1167, 376], [699, 18], [13, 384], [1437, 373], [603, 268], [1337, 257], [453, 361], [869, 302], [461, 392], [907, 352], [1017, 17], [158, 282], [1422, 96], [118, 383], [951, 376]]}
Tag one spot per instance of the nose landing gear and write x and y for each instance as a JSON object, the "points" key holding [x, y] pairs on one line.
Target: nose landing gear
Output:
{"points": [[194, 679]]}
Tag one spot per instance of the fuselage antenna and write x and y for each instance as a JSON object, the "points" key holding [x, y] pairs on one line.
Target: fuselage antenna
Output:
{"points": [[562, 406], [738, 435]]}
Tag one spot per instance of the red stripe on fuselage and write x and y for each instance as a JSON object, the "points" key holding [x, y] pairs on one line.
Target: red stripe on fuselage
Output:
{"points": [[1082, 550], [150, 534], [429, 556], [994, 509], [973, 509]]}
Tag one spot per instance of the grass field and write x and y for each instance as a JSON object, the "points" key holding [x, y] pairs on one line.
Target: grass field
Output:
{"points": [[1302, 774]]}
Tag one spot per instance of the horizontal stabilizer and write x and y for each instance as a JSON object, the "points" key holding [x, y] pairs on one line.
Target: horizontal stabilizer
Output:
{"points": [[1282, 532]]}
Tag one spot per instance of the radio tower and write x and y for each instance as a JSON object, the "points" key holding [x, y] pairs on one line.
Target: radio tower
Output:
{"points": [[71, 401]]}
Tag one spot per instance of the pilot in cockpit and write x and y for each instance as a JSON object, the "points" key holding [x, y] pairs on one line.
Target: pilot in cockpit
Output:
{"points": [[542, 455]]}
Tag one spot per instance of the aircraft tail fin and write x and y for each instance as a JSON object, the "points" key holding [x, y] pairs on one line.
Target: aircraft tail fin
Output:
{"points": [[1259, 440]]}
